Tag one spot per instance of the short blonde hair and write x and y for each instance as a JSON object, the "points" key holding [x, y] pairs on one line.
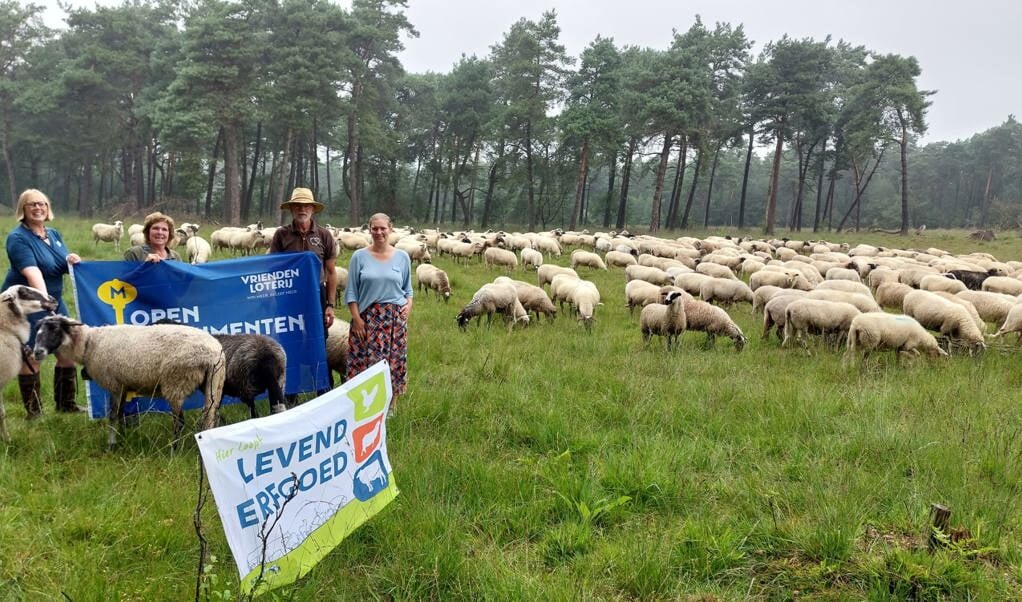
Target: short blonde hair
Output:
{"points": [[156, 217], [382, 216], [28, 196]]}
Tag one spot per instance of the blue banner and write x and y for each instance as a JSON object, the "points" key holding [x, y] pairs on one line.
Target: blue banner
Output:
{"points": [[275, 295]]}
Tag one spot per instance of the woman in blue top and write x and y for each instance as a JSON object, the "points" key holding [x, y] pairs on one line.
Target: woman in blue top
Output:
{"points": [[379, 297], [39, 258]]}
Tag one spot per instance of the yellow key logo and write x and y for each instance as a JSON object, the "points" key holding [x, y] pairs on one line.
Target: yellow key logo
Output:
{"points": [[117, 294]]}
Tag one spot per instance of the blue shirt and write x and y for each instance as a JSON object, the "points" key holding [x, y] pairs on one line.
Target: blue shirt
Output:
{"points": [[25, 249], [373, 281]]}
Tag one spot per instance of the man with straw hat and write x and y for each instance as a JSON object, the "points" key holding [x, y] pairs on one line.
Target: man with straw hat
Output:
{"points": [[302, 234]]}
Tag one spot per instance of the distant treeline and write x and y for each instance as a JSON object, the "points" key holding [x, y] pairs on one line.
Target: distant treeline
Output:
{"points": [[218, 108]]}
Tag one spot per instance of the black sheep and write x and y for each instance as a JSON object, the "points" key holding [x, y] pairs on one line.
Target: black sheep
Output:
{"points": [[972, 280], [255, 363]]}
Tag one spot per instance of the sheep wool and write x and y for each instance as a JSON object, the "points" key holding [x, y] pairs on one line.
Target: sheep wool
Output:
{"points": [[16, 303], [666, 320], [880, 331]]}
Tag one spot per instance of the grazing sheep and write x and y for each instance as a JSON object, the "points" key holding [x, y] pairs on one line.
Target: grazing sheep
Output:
{"points": [[337, 347], [500, 258], [843, 274], [847, 286], [587, 259], [724, 291], [941, 283], [16, 303], [546, 272], [585, 297], [649, 274], [822, 317], [137, 239], [560, 288], [255, 363], [913, 276], [972, 279], [416, 249], [108, 233], [691, 282], [618, 259], [494, 298], [773, 311], [546, 244], [639, 293], [245, 240], [879, 331], [716, 270], [160, 360], [765, 277], [763, 294], [341, 276], [197, 248], [430, 277], [666, 320], [714, 321], [944, 316], [532, 298], [464, 251], [865, 303], [992, 307], [892, 294], [1003, 284], [531, 257]]}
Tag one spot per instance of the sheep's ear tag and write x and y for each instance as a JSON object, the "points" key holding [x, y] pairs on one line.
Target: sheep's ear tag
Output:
{"points": [[370, 398]]}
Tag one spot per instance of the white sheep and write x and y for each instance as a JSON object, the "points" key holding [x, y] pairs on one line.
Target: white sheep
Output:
{"points": [[1003, 284], [245, 240], [585, 298], [430, 277], [108, 233], [416, 249], [164, 360], [864, 303], [878, 331], [546, 244], [767, 277], [494, 298], [822, 317], [1012, 323], [773, 311], [531, 257], [714, 321], [560, 287], [992, 307], [587, 259], [617, 259], [639, 293], [532, 298], [847, 286], [220, 238], [716, 270], [725, 291], [691, 282], [947, 318], [943, 283], [838, 273], [16, 303], [666, 320], [546, 272], [649, 274], [763, 294], [196, 247], [891, 294], [494, 256], [337, 347]]}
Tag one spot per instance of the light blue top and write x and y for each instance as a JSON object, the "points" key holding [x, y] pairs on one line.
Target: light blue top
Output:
{"points": [[373, 281]]}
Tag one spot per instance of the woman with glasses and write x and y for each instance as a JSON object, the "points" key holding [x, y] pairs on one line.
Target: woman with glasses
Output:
{"points": [[39, 258]]}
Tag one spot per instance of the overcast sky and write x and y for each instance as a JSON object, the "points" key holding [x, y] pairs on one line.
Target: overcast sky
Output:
{"points": [[968, 50]]}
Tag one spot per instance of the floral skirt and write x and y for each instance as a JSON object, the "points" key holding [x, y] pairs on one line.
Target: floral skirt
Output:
{"points": [[386, 339]]}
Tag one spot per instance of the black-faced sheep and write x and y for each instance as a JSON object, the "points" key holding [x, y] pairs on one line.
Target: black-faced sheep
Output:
{"points": [[666, 320], [163, 360], [255, 363], [973, 280], [16, 303]]}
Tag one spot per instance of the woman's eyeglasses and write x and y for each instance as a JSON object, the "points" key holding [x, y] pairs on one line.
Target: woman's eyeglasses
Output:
{"points": [[35, 204]]}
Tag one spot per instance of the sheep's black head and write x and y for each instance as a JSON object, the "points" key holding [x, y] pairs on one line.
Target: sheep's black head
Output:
{"points": [[670, 297], [740, 341], [463, 319], [54, 332]]}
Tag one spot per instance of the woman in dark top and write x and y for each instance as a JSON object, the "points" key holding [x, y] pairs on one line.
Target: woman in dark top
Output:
{"points": [[159, 234], [39, 258]]}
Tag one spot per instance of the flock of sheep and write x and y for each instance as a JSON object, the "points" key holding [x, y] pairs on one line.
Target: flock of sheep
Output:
{"points": [[801, 289]]}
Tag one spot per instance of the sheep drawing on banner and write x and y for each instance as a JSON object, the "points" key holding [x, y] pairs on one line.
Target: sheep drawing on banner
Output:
{"points": [[370, 478], [368, 397]]}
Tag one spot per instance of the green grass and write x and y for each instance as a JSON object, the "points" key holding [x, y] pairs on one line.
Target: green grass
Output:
{"points": [[552, 464]]}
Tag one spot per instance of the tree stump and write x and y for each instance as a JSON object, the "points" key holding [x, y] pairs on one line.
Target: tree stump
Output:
{"points": [[940, 520]]}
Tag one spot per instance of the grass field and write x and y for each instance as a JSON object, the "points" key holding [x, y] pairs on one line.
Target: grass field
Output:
{"points": [[552, 464]]}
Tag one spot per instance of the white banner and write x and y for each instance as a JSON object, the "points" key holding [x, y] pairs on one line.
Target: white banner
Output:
{"points": [[289, 487]]}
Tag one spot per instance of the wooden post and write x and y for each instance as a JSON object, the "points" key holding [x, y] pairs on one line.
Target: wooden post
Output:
{"points": [[940, 520]]}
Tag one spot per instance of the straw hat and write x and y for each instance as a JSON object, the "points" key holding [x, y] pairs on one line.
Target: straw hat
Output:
{"points": [[302, 196]]}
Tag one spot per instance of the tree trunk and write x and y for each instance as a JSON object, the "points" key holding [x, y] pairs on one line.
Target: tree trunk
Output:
{"points": [[232, 175], [85, 191], [612, 169], [246, 207], [626, 176], [709, 187], [353, 163], [212, 173], [658, 184], [692, 190], [905, 225], [5, 148], [679, 182], [530, 205], [819, 186], [775, 172], [583, 159], [745, 179]]}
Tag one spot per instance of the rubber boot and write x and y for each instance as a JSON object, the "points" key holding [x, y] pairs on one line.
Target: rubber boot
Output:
{"points": [[65, 389], [29, 385]]}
